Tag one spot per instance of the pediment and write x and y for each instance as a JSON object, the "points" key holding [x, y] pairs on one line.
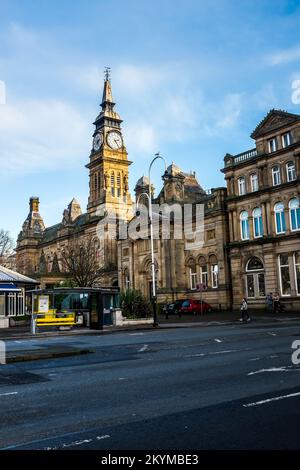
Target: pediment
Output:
{"points": [[275, 119]]}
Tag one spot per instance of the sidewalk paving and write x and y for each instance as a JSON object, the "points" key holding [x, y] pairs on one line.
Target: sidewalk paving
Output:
{"points": [[21, 345], [188, 321]]}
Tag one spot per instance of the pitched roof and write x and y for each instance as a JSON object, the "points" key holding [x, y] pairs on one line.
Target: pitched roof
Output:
{"points": [[7, 275], [275, 119]]}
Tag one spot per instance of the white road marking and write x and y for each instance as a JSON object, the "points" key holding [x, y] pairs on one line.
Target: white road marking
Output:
{"points": [[272, 334], [255, 359], [8, 393], [276, 369], [216, 352], [106, 436], [218, 340], [143, 348], [268, 400], [136, 334], [78, 442], [272, 369]]}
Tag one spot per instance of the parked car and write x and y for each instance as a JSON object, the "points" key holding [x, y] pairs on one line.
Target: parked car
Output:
{"points": [[174, 308], [195, 306]]}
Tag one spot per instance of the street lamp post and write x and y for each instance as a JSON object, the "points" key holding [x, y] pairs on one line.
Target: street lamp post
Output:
{"points": [[149, 197]]}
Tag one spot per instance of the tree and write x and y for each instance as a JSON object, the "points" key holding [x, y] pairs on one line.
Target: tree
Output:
{"points": [[6, 244], [80, 262]]}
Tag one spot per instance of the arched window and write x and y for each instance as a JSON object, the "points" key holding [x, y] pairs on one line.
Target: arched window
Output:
{"points": [[242, 186], [294, 214], [254, 182], [255, 277], [279, 217], [276, 175], [290, 171], [244, 221], [257, 222]]}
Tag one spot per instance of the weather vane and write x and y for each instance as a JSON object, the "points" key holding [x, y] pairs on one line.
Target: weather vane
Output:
{"points": [[107, 71]]}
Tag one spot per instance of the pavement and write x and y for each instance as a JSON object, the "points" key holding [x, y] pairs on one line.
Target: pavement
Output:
{"points": [[230, 387], [46, 351]]}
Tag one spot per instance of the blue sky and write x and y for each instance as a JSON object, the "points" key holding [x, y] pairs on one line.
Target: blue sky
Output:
{"points": [[191, 78]]}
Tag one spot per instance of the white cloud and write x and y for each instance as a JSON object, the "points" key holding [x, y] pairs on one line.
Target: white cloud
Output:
{"points": [[283, 56], [41, 135]]}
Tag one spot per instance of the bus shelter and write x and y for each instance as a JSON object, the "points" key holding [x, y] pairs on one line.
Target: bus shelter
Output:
{"points": [[92, 307]]}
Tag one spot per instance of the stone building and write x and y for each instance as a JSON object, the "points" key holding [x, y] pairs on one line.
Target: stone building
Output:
{"points": [[251, 228], [39, 248], [263, 193], [179, 269]]}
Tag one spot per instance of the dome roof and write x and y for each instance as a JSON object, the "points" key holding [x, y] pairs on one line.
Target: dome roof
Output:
{"points": [[174, 169], [143, 181]]}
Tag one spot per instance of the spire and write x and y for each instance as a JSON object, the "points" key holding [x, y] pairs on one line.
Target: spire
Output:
{"points": [[107, 104], [107, 94]]}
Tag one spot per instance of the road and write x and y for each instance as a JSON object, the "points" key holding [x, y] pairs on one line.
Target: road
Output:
{"points": [[216, 387]]}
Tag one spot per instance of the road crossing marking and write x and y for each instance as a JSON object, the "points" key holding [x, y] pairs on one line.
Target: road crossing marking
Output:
{"points": [[268, 400]]}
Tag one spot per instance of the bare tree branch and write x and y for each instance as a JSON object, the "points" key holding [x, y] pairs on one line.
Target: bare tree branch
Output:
{"points": [[6, 244], [80, 261]]}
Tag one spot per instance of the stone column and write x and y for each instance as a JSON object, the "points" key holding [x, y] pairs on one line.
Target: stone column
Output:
{"points": [[231, 235], [265, 219], [269, 218], [236, 235]]}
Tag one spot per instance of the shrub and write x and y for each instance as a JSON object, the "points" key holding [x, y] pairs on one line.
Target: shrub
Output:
{"points": [[134, 304]]}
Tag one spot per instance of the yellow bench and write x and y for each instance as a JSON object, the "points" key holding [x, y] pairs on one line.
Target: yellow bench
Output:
{"points": [[52, 319]]}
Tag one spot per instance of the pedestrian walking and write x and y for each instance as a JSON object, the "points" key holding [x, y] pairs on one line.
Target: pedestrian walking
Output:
{"points": [[276, 302], [270, 302], [244, 310]]}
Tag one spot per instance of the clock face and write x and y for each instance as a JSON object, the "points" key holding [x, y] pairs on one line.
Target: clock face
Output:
{"points": [[97, 142], [114, 140]]}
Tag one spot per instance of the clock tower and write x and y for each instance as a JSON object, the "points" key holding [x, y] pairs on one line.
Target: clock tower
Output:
{"points": [[108, 165]]}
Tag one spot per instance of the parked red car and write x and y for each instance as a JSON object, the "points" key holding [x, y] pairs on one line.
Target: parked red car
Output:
{"points": [[195, 306]]}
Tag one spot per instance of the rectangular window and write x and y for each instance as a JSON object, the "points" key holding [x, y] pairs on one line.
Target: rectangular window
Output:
{"points": [[245, 229], [286, 139], [258, 227], [214, 276], [297, 271], [254, 183], [272, 145], [290, 171], [113, 192], [276, 176], [280, 222], [242, 186], [203, 275], [261, 285], [2, 304], [284, 272], [250, 286], [193, 279]]}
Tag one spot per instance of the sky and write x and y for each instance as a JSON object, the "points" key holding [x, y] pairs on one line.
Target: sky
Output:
{"points": [[190, 78]]}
